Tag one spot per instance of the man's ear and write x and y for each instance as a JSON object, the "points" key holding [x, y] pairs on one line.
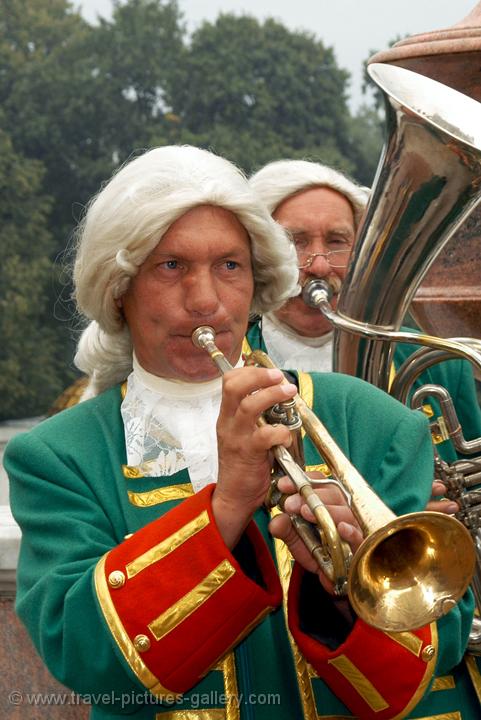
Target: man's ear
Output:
{"points": [[119, 303]]}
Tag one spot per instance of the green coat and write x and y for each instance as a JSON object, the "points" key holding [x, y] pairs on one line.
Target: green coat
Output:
{"points": [[74, 502]]}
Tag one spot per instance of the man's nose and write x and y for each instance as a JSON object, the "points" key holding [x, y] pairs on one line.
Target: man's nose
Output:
{"points": [[201, 294], [319, 266]]}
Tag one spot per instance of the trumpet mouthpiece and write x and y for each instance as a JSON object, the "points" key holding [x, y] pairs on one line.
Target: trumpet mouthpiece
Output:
{"points": [[203, 335]]}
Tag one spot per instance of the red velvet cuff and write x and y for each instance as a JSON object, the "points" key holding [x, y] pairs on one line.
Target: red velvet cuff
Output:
{"points": [[376, 674], [176, 599]]}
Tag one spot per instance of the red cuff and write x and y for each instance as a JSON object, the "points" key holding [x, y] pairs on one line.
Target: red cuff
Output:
{"points": [[377, 675], [175, 598]]}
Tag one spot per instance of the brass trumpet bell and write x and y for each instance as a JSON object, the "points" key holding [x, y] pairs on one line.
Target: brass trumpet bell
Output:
{"points": [[411, 572]]}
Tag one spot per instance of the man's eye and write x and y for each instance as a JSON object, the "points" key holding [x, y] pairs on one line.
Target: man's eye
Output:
{"points": [[300, 243], [231, 264], [339, 241], [170, 264]]}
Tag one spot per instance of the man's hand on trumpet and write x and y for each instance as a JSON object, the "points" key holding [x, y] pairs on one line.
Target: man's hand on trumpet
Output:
{"points": [[335, 501], [347, 525], [439, 502], [244, 447]]}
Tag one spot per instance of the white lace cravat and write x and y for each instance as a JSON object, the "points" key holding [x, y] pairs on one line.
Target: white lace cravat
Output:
{"points": [[171, 425], [291, 351]]}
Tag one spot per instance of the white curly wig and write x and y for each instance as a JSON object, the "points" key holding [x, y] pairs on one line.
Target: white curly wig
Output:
{"points": [[278, 180], [125, 222]]}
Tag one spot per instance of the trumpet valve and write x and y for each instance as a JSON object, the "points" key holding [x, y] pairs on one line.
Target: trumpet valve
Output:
{"points": [[284, 413]]}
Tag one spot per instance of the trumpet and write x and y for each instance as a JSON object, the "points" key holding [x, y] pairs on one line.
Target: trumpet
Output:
{"points": [[409, 570]]}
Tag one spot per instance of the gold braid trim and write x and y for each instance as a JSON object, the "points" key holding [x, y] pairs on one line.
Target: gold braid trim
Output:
{"points": [[430, 667], [321, 467], [191, 601], [168, 545], [160, 495], [446, 682], [231, 709], [231, 689], [359, 682], [284, 561], [211, 714], [132, 657], [456, 715], [246, 348], [303, 669], [408, 640], [474, 674]]}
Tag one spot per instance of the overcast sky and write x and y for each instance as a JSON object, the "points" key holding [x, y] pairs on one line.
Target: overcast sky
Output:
{"points": [[353, 28]]}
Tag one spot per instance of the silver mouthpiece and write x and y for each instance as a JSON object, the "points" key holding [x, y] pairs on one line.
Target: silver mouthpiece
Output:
{"points": [[316, 292], [202, 335]]}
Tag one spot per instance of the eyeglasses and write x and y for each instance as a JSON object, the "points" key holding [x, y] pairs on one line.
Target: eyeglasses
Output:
{"points": [[335, 258]]}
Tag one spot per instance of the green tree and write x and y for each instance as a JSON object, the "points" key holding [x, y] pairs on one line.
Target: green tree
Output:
{"points": [[256, 91], [139, 56], [43, 94], [31, 364], [81, 98], [367, 133], [49, 115]]}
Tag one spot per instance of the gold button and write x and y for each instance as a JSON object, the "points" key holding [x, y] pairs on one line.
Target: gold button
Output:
{"points": [[116, 579], [129, 535], [141, 643], [428, 653]]}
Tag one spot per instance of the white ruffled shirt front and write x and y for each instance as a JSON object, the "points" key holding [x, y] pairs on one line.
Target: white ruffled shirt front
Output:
{"points": [[291, 351], [170, 425]]}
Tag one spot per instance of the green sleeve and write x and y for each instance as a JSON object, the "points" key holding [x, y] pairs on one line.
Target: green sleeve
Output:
{"points": [[64, 533]]}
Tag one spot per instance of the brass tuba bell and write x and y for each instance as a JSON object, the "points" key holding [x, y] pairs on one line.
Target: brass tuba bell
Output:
{"points": [[427, 182]]}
